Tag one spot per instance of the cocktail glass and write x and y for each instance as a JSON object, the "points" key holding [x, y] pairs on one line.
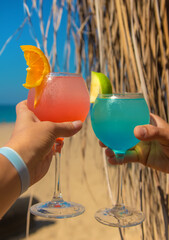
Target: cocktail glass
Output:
{"points": [[114, 117], [64, 98]]}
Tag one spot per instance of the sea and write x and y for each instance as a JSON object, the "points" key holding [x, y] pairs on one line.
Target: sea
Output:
{"points": [[7, 113]]}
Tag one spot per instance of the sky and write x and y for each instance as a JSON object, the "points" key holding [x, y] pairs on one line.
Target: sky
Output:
{"points": [[12, 62]]}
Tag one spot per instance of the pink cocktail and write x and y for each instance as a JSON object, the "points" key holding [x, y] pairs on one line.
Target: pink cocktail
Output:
{"points": [[64, 97]]}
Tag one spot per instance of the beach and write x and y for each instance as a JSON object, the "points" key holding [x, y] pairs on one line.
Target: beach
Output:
{"points": [[83, 181]]}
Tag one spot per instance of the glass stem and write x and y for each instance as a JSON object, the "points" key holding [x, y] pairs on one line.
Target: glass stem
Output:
{"points": [[119, 201], [57, 196]]}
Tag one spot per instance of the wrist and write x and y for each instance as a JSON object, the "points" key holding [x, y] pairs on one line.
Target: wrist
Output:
{"points": [[15, 159], [10, 186]]}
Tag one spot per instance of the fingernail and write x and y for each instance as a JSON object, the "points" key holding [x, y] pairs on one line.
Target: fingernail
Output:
{"points": [[142, 131], [77, 124]]}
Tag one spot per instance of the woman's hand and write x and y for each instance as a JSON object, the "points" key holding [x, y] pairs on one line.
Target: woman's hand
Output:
{"points": [[33, 140]]}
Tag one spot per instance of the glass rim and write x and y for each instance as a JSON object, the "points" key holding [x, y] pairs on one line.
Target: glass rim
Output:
{"points": [[121, 95], [63, 74]]}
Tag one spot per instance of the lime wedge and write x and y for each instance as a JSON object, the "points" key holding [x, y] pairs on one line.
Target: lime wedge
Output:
{"points": [[99, 84]]}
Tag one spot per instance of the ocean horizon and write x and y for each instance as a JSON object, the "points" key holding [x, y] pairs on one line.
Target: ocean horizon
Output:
{"points": [[7, 113]]}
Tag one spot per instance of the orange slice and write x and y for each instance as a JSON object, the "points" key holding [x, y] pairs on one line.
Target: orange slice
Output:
{"points": [[38, 67]]}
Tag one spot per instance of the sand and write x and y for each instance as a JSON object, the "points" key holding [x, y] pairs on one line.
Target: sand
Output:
{"points": [[83, 180]]}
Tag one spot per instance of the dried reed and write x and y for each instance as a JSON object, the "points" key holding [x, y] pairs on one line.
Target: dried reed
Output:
{"points": [[128, 41]]}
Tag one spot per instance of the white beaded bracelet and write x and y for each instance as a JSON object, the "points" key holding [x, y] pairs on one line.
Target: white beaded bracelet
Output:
{"points": [[20, 166]]}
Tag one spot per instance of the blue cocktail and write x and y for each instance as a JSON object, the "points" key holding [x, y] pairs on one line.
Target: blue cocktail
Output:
{"points": [[114, 117]]}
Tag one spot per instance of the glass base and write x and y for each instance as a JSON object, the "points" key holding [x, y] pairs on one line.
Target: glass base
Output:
{"points": [[120, 216], [57, 210]]}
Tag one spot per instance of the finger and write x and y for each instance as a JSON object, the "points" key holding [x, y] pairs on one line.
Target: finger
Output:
{"points": [[21, 106], [113, 161], [130, 156], [24, 113], [149, 132], [109, 152], [65, 129], [102, 144]]}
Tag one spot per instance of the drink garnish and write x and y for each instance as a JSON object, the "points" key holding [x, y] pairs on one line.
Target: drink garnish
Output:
{"points": [[100, 83], [38, 68]]}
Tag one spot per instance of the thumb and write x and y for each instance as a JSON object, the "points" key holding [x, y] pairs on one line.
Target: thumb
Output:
{"points": [[67, 129], [150, 132]]}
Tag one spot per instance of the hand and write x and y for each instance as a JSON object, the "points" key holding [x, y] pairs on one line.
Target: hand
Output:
{"points": [[152, 150], [33, 140]]}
